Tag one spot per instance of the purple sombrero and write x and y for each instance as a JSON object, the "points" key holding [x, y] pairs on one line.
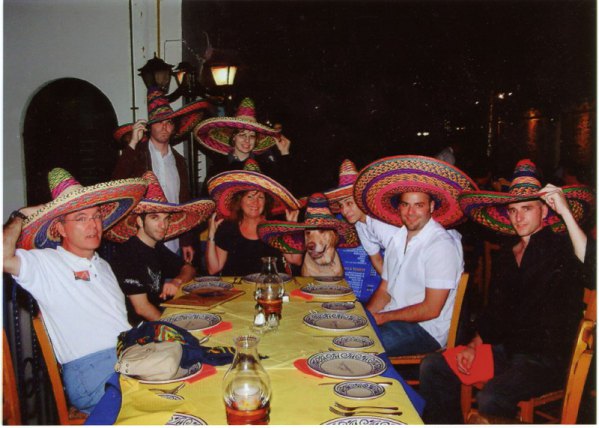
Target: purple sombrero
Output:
{"points": [[347, 177], [380, 184], [115, 199], [183, 217], [159, 109], [490, 208], [223, 187], [215, 133], [288, 237]]}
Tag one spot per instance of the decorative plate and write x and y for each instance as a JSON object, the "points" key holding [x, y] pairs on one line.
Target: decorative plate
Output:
{"points": [[328, 279], [346, 364], [363, 420], [191, 372], [207, 278], [324, 290], [335, 321], [359, 390], [353, 342], [194, 321], [207, 286], [339, 306], [183, 419], [253, 277]]}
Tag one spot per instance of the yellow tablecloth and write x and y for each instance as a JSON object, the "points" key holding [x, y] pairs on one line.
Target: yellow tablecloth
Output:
{"points": [[297, 398]]}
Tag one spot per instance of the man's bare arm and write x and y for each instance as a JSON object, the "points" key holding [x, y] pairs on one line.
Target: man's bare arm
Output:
{"points": [[12, 230], [144, 308], [379, 299], [377, 262]]}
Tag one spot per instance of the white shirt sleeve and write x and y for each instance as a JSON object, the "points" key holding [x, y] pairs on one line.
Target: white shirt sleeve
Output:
{"points": [[442, 263]]}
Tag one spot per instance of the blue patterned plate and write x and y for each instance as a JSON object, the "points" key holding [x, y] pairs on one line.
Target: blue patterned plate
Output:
{"points": [[204, 286], [339, 306], [194, 321], [363, 420], [346, 364], [183, 419], [359, 390], [335, 321], [327, 290], [253, 277], [353, 342]]}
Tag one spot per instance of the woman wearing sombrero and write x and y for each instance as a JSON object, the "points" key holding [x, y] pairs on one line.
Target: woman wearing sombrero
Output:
{"points": [[237, 139], [245, 198]]}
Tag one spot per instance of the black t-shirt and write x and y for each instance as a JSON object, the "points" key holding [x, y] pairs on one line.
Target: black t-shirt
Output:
{"points": [[243, 255], [141, 269]]}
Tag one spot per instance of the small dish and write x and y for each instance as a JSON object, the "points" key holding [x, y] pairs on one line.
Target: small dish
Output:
{"points": [[358, 390], [363, 420], [206, 286], [324, 290], [339, 306], [183, 419], [353, 342], [335, 321], [193, 321], [328, 279], [253, 277]]}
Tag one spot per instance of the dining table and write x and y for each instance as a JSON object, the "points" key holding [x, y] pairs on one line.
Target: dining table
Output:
{"points": [[300, 395]]}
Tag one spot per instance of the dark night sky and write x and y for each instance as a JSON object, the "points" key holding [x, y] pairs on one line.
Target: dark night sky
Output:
{"points": [[357, 79]]}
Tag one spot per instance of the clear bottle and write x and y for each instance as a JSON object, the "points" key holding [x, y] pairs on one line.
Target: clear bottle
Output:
{"points": [[270, 290], [246, 386]]}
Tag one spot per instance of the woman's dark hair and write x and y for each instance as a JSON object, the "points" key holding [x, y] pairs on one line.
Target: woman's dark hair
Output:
{"points": [[237, 213]]}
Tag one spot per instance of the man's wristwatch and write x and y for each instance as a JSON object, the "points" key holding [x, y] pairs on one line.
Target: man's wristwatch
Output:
{"points": [[16, 214]]}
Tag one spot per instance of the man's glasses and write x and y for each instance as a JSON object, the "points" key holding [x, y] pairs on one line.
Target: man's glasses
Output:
{"points": [[85, 219]]}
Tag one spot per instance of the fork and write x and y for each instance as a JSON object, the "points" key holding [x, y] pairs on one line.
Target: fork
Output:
{"points": [[342, 407], [169, 391], [205, 338], [340, 413]]}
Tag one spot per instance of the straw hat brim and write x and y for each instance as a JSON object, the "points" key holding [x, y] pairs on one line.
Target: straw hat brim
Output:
{"points": [[115, 198], [490, 208], [184, 217], [338, 194], [380, 184], [215, 134], [223, 187]]}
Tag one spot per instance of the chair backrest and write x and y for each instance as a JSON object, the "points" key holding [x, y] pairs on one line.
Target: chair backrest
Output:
{"points": [[579, 369], [457, 309], [11, 411], [53, 372], [590, 301]]}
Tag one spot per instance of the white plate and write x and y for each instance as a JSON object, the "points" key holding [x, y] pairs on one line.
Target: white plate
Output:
{"points": [[353, 342], [339, 306], [183, 419], [192, 371], [202, 285], [346, 364], [363, 420], [358, 390], [335, 321], [253, 277], [193, 321], [324, 290], [207, 278], [328, 279]]}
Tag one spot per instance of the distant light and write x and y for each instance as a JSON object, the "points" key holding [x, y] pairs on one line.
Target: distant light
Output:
{"points": [[419, 134], [425, 134], [501, 95], [476, 103], [316, 107], [510, 94], [223, 74]]}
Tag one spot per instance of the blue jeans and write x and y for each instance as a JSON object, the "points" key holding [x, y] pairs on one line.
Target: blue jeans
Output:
{"points": [[406, 338], [517, 377], [84, 378]]}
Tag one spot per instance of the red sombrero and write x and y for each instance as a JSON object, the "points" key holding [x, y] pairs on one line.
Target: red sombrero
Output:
{"points": [[159, 109], [288, 237], [215, 133], [184, 217], [115, 198], [222, 187], [379, 185], [490, 208], [347, 177]]}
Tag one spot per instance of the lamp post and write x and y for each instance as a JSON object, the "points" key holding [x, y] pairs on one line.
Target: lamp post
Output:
{"points": [[156, 72]]}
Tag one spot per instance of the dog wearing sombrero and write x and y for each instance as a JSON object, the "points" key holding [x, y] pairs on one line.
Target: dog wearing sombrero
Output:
{"points": [[318, 236], [81, 303], [143, 264]]}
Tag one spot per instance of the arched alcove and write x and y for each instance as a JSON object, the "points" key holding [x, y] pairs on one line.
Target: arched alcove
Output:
{"points": [[68, 124]]}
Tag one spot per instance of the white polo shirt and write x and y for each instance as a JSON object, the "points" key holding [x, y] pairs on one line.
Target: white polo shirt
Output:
{"points": [[375, 235], [433, 259], [82, 317]]}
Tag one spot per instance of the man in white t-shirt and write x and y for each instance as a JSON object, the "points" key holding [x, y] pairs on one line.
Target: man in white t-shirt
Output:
{"points": [[423, 262], [82, 305]]}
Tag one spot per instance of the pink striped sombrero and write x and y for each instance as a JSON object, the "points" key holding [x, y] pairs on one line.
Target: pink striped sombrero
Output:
{"points": [[183, 217], [288, 237], [347, 177], [380, 184], [490, 208], [215, 133]]}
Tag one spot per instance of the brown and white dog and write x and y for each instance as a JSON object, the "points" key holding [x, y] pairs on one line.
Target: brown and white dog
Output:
{"points": [[321, 257]]}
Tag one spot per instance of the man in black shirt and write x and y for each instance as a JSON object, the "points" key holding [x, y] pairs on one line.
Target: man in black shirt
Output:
{"points": [[535, 303]]}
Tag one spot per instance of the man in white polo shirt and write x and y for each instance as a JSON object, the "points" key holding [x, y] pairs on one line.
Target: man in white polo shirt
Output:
{"points": [[81, 303]]}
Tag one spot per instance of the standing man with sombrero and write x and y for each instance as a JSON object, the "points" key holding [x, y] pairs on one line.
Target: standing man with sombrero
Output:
{"points": [[147, 271], [535, 303], [82, 305], [424, 262], [154, 153]]}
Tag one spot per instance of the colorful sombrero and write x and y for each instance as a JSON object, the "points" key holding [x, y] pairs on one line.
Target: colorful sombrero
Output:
{"points": [[115, 198], [288, 237], [184, 217], [223, 187], [490, 208], [379, 185], [215, 133], [347, 177], [159, 109]]}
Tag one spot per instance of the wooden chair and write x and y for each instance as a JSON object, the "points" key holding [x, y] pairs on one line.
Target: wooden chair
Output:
{"points": [[66, 415], [571, 395], [453, 330], [11, 410]]}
